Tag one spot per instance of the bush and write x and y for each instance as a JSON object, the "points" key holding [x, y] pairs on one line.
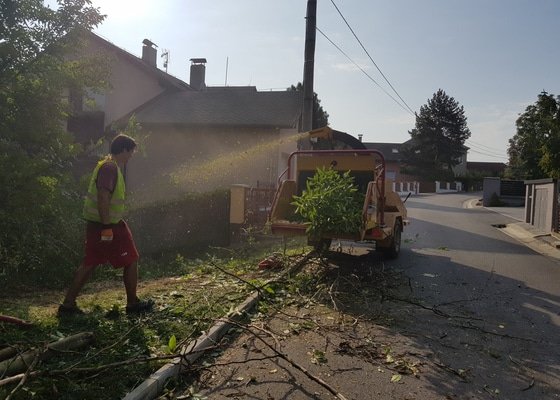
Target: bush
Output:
{"points": [[330, 204], [40, 225]]}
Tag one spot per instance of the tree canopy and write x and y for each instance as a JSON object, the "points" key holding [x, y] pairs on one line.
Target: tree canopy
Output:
{"points": [[437, 141], [39, 204], [29, 29], [320, 116], [534, 151]]}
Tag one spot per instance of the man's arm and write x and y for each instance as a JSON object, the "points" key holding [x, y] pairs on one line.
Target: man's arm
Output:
{"points": [[103, 205], [106, 181]]}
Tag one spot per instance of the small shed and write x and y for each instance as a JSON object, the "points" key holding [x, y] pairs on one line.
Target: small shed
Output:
{"points": [[541, 204]]}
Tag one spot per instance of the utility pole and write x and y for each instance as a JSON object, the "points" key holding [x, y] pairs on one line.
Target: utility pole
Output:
{"points": [[309, 64]]}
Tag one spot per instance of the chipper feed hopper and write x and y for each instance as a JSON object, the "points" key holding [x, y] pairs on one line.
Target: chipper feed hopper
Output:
{"points": [[383, 213]]}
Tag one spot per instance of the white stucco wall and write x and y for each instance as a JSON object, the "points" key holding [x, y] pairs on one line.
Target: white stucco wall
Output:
{"points": [[130, 85]]}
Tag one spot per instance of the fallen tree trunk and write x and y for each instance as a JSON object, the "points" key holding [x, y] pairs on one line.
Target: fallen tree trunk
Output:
{"points": [[21, 362]]}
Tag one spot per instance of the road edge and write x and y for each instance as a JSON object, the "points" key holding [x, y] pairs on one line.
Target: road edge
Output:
{"points": [[154, 384]]}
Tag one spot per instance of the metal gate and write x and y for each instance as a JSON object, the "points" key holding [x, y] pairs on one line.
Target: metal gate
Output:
{"points": [[541, 199]]}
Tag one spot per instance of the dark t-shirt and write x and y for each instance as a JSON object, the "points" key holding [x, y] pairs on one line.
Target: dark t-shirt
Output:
{"points": [[107, 176]]}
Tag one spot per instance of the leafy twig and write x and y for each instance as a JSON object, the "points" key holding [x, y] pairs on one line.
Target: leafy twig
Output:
{"points": [[435, 310], [225, 364], [99, 368], [293, 363], [25, 375], [504, 335]]}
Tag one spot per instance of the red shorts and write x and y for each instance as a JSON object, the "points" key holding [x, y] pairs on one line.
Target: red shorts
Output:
{"points": [[120, 252]]}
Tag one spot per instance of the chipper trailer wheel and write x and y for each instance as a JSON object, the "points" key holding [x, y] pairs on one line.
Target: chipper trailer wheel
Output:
{"points": [[394, 248]]}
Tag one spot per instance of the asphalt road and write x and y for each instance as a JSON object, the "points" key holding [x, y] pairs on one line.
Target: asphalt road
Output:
{"points": [[460, 262], [465, 312], [462, 245]]}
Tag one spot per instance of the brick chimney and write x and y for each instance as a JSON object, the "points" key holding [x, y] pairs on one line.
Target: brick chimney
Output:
{"points": [[149, 52], [198, 73]]}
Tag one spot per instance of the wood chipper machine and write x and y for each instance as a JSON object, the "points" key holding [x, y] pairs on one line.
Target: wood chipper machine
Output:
{"points": [[383, 213]]}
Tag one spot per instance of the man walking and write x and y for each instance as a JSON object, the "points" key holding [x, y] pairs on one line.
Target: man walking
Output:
{"points": [[108, 238]]}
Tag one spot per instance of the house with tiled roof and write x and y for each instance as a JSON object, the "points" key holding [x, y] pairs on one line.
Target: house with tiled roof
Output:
{"points": [[393, 156], [394, 160], [223, 107], [194, 137], [214, 137], [133, 81], [486, 168]]}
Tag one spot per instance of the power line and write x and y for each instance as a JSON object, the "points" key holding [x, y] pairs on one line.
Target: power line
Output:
{"points": [[488, 155], [360, 42], [447, 146], [472, 144], [361, 69], [484, 146], [482, 149], [475, 149]]}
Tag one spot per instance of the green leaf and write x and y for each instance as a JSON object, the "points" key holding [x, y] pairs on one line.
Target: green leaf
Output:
{"points": [[172, 344], [330, 204], [318, 357]]}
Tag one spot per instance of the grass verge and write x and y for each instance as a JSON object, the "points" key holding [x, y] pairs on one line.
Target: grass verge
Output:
{"points": [[189, 294]]}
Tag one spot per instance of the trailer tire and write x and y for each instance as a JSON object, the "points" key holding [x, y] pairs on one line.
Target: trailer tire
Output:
{"points": [[394, 248]]}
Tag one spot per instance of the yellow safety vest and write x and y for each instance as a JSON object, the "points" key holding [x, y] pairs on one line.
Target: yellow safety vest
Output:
{"points": [[116, 207]]}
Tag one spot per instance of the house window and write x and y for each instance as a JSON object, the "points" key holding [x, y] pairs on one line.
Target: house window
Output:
{"points": [[76, 100], [391, 175], [86, 100]]}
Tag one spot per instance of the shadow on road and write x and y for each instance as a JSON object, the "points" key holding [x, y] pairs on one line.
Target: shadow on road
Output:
{"points": [[478, 334], [461, 314]]}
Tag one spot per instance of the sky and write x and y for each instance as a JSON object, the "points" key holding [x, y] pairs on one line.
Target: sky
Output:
{"points": [[492, 56]]}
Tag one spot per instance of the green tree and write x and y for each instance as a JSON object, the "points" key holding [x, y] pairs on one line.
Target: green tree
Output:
{"points": [[438, 139], [534, 151], [320, 116], [39, 205]]}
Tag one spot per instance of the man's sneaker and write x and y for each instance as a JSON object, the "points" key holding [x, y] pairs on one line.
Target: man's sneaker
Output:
{"points": [[141, 306], [68, 311]]}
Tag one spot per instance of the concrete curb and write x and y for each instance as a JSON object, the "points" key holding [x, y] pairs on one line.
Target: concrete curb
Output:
{"points": [[534, 242], [471, 203], [151, 387], [154, 384]]}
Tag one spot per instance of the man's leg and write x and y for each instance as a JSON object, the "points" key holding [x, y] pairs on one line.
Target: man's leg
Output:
{"points": [[130, 279], [81, 276], [133, 304]]}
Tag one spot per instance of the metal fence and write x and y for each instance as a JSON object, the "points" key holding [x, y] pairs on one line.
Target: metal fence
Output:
{"points": [[512, 188]]}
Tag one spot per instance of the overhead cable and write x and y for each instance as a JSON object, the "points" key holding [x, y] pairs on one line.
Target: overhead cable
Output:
{"points": [[361, 69], [488, 155], [374, 63], [479, 148], [494, 149]]}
